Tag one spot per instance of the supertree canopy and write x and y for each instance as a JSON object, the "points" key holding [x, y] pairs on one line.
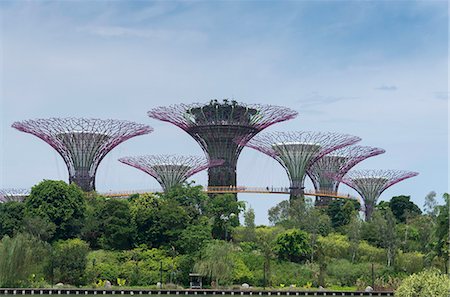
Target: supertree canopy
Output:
{"points": [[371, 183], [297, 151], [10, 194], [82, 143], [216, 126], [170, 170], [337, 163]]}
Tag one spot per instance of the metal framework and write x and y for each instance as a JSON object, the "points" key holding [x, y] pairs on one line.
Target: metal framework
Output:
{"points": [[11, 194], [82, 143], [371, 183], [170, 170], [337, 163], [217, 126], [297, 151]]}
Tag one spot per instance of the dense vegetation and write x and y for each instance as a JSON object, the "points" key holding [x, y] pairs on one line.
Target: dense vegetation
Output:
{"points": [[60, 234]]}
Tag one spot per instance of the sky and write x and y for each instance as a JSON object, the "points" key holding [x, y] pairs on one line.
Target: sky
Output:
{"points": [[375, 69]]}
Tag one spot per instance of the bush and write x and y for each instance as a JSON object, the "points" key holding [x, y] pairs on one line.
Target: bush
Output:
{"points": [[370, 253], [425, 284], [335, 246], [343, 273], [410, 262], [70, 259]]}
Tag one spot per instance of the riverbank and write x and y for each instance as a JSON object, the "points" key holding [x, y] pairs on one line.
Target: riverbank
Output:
{"points": [[174, 292]]}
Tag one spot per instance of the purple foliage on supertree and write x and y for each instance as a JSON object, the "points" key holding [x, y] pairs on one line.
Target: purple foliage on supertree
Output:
{"points": [[170, 170], [370, 184], [82, 143], [296, 151], [13, 194], [216, 126], [338, 163]]}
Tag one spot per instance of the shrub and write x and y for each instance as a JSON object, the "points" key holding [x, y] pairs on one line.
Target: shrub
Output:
{"points": [[410, 262], [70, 259], [335, 245], [425, 284]]}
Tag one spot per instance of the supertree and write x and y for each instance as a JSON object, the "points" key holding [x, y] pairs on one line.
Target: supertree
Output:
{"points": [[11, 194], [371, 183], [337, 163], [82, 143], [297, 151], [216, 126], [170, 170]]}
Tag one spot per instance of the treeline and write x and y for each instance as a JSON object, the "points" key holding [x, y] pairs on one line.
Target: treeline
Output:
{"points": [[61, 234]]}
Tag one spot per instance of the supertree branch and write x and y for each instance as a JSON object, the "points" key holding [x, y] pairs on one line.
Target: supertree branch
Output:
{"points": [[170, 170], [338, 163], [11, 194], [297, 151], [217, 125], [370, 184], [82, 143]]}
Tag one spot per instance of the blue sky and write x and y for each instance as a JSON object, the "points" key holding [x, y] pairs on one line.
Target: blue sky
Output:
{"points": [[376, 69]]}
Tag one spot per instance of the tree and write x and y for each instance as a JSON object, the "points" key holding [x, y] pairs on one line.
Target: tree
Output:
{"points": [[402, 207], [20, 257], [293, 245], [354, 235], [224, 211], [11, 216], [59, 203], [265, 240], [158, 221], [190, 197], [116, 227], [430, 204], [216, 261], [194, 237], [69, 261], [442, 232], [341, 211]]}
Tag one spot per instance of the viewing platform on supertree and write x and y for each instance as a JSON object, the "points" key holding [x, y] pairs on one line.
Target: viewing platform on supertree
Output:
{"points": [[337, 163], [217, 126], [13, 194], [82, 143], [170, 170], [297, 151], [370, 184]]}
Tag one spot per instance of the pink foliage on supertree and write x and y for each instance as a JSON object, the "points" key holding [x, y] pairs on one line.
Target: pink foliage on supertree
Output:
{"points": [[170, 170], [82, 143], [297, 151], [338, 163], [370, 184]]}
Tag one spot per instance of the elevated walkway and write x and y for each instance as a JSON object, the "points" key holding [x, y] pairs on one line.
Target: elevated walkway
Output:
{"points": [[238, 189]]}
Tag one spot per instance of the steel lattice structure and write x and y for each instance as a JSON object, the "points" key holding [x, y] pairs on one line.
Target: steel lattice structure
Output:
{"points": [[82, 143], [217, 126], [337, 163], [12, 194], [371, 183], [170, 170], [297, 151]]}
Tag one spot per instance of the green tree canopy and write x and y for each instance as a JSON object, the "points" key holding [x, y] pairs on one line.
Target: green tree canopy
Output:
{"points": [[216, 261], [402, 207], [59, 203], [341, 211], [11, 216], [293, 245]]}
